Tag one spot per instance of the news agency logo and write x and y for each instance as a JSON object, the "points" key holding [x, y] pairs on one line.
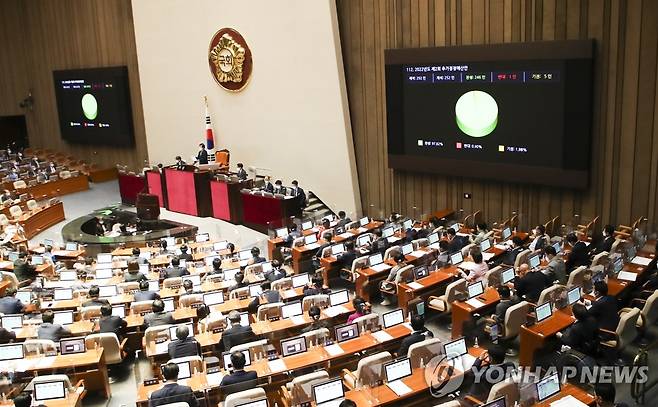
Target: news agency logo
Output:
{"points": [[444, 376]]}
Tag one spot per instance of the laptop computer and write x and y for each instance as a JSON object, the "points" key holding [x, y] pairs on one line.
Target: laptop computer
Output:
{"points": [[329, 394]]}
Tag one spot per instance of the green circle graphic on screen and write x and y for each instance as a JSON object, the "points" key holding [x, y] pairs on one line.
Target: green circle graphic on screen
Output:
{"points": [[476, 113], [89, 106]]}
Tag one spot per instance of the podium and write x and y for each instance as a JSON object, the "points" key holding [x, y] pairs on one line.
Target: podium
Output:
{"points": [[155, 186], [226, 202], [148, 207], [263, 211], [129, 186], [188, 191]]}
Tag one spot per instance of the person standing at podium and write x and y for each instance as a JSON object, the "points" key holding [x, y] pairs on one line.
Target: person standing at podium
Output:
{"points": [[180, 164], [299, 193], [202, 155], [242, 173]]}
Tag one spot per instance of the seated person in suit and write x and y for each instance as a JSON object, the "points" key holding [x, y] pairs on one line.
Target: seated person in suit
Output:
{"points": [[9, 304], [299, 193], [268, 186], [345, 259], [188, 288], [583, 334], [539, 238], [184, 255], [419, 334], [242, 173], [495, 357], [237, 333], [556, 269], [109, 323], [175, 270], [315, 313], [7, 336], [529, 283], [379, 244], [342, 219], [172, 392], [605, 245], [443, 258], [505, 303], [216, 267], [144, 294], [255, 257], [23, 400], [579, 255], [316, 287], [482, 230], [238, 375], [455, 243], [326, 238], [604, 309], [606, 394], [389, 282], [180, 164], [276, 273], [517, 247], [136, 257], [279, 188], [239, 281], [133, 274], [478, 272], [24, 269], [183, 345], [158, 316], [94, 300], [50, 330], [267, 294], [361, 308]]}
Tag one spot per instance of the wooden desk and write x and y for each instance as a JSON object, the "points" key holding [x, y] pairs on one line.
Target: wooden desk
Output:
{"points": [[569, 390], [78, 328], [430, 285], [462, 311], [43, 218], [73, 399], [367, 280], [41, 269], [535, 337], [383, 395], [60, 187]]}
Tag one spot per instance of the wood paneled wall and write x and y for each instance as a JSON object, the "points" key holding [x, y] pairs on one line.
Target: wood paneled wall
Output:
{"points": [[624, 164], [39, 36]]}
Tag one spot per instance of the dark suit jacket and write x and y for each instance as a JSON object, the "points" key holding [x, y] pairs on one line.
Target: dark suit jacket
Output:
{"points": [[577, 257], [236, 335], [510, 256], [481, 389], [145, 296], [242, 174], [175, 272], [24, 271], [582, 336], [173, 393], [604, 311], [134, 277], [186, 347], [160, 318], [6, 336], [274, 275], [301, 195], [268, 187], [186, 257], [238, 377], [11, 305], [415, 337], [95, 302], [54, 332], [202, 156], [345, 259], [456, 244], [530, 285], [112, 324], [605, 245], [501, 310]]}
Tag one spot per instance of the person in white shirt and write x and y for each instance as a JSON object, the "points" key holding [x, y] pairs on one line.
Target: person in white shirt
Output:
{"points": [[477, 272], [540, 239]]}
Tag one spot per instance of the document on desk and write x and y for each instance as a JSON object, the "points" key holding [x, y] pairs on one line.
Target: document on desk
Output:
{"points": [[161, 348], [290, 293], [626, 275], [415, 285], [297, 320], [334, 350], [475, 303], [488, 256], [45, 362], [501, 247], [399, 387], [418, 253], [335, 310], [435, 246], [346, 235], [392, 239], [381, 267], [214, 379], [641, 261], [362, 230], [277, 365], [312, 246], [568, 401], [462, 234], [466, 361], [382, 336]]}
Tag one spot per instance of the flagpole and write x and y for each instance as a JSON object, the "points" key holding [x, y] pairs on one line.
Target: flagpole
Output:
{"points": [[210, 138]]}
